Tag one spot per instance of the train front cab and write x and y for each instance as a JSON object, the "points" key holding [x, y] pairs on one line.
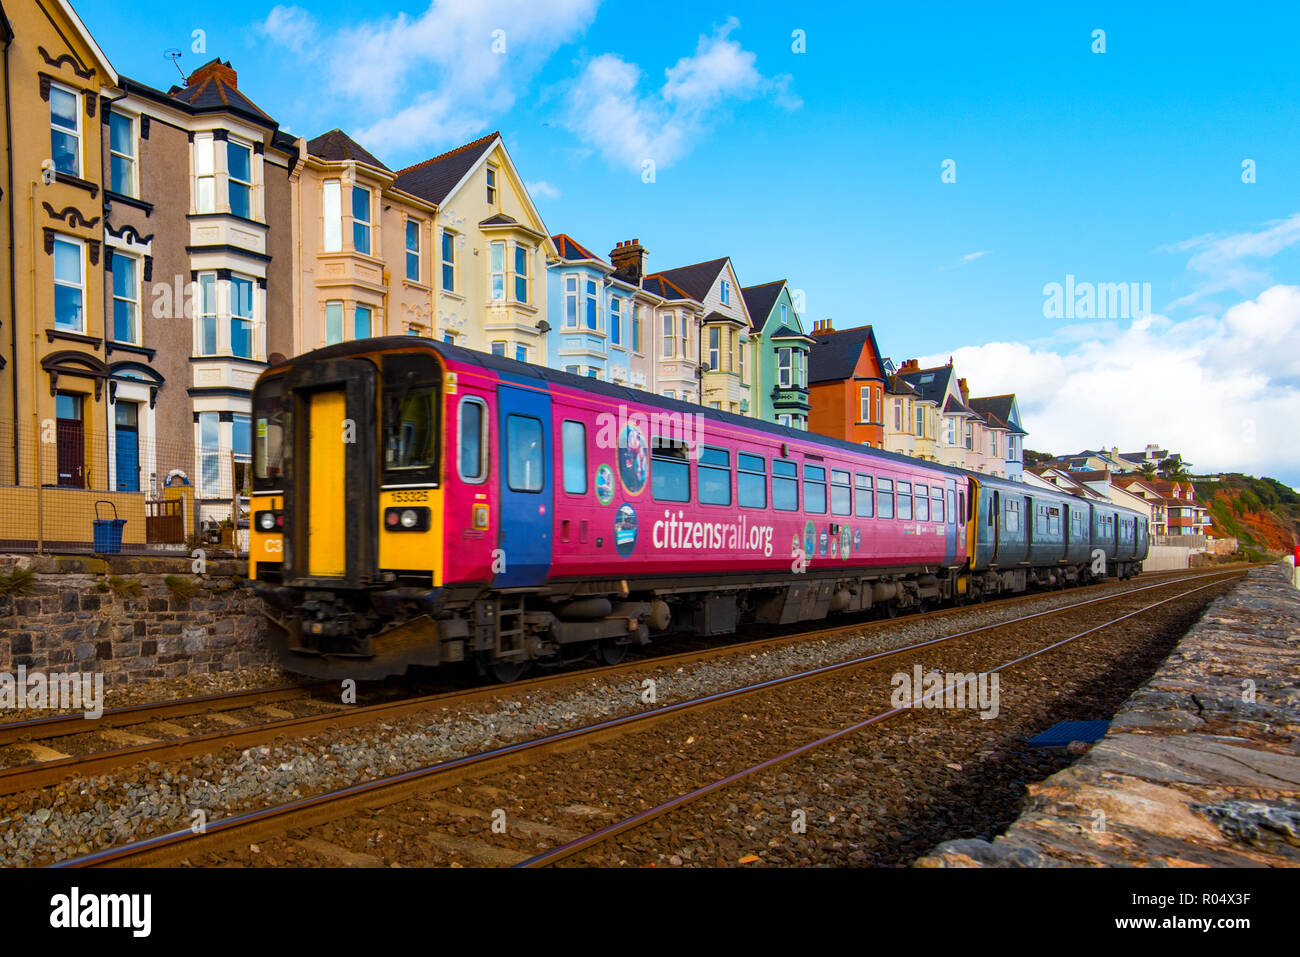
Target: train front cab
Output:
{"points": [[346, 539]]}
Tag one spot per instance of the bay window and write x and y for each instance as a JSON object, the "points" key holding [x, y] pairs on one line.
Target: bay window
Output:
{"points": [[241, 317], [521, 273], [615, 320], [593, 316], [784, 371], [239, 166], [361, 238], [332, 215], [497, 265], [570, 302], [669, 341], [205, 175]]}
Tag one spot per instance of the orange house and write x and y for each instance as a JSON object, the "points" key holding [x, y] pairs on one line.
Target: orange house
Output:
{"points": [[846, 384]]}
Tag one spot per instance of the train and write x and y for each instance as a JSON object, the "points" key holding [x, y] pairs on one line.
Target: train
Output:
{"points": [[418, 504]]}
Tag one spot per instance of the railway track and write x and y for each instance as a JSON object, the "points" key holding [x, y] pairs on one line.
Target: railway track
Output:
{"points": [[243, 828], [271, 721]]}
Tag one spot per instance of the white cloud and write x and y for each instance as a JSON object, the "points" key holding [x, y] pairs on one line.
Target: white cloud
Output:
{"points": [[1223, 391], [292, 27], [971, 257], [1222, 262], [541, 189], [607, 109], [439, 76]]}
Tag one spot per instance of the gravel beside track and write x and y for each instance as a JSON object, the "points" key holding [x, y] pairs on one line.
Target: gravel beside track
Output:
{"points": [[81, 816]]}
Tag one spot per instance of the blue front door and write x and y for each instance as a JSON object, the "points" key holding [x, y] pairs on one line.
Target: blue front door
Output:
{"points": [[524, 428], [127, 440]]}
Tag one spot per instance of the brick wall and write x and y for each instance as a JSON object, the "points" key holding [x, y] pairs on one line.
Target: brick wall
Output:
{"points": [[81, 614]]}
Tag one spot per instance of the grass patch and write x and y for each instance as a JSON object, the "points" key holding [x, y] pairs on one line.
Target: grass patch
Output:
{"points": [[17, 582], [182, 589], [125, 587]]}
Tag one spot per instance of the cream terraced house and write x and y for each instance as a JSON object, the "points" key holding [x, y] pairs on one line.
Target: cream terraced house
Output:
{"points": [[490, 252]]}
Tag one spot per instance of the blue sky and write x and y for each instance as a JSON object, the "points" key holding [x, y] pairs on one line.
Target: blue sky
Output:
{"points": [[824, 167]]}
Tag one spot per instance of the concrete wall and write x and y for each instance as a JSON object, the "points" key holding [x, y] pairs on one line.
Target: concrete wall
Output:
{"points": [[1166, 557]]}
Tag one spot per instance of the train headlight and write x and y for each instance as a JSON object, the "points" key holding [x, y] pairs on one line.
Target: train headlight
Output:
{"points": [[268, 522], [406, 519]]}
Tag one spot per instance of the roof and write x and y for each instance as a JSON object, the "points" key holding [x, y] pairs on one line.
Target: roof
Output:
{"points": [[664, 288], [212, 89], [786, 332], [955, 406], [572, 251], [834, 355], [695, 280], [435, 178], [998, 406], [499, 219], [897, 385], [932, 389], [761, 300], [337, 145]]}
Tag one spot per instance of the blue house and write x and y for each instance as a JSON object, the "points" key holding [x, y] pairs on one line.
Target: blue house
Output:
{"points": [[591, 313]]}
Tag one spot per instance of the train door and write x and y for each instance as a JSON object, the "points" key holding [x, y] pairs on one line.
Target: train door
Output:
{"points": [[523, 430], [1064, 511], [1031, 526], [326, 499], [995, 522], [950, 517]]}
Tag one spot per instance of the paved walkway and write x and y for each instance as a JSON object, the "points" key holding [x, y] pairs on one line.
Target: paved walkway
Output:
{"points": [[1200, 768]]}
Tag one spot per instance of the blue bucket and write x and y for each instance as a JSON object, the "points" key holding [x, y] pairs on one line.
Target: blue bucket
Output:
{"points": [[108, 531]]}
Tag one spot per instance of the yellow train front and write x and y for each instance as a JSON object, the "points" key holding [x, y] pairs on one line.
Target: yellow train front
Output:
{"points": [[346, 531]]}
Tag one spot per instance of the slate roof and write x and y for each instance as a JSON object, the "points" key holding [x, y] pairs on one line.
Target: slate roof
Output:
{"points": [[337, 145], [897, 385], [435, 178], [955, 406], [936, 388], [761, 300], [785, 332], [571, 250], [212, 89], [834, 355], [664, 288], [696, 280], [998, 407], [499, 219]]}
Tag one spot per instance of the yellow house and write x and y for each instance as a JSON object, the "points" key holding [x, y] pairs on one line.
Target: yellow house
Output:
{"points": [[490, 252]]}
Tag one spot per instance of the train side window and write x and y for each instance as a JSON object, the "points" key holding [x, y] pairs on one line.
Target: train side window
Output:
{"points": [[471, 457], [574, 435], [670, 472], [841, 494], [751, 480], [525, 454], [885, 498], [923, 503], [961, 507], [814, 489], [936, 504], [785, 486], [905, 501], [864, 502], [1011, 517], [952, 507], [715, 476]]}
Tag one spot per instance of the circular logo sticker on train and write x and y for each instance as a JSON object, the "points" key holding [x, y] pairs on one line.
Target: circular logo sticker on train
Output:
{"points": [[604, 485], [810, 539], [625, 530], [633, 459], [846, 543]]}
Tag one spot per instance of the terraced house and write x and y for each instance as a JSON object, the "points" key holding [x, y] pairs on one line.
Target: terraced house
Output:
{"points": [[781, 348], [54, 404], [490, 253], [727, 345], [848, 381]]}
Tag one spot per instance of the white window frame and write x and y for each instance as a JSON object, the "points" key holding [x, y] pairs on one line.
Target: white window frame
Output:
{"points": [[368, 223], [326, 325], [138, 332], [669, 336], [724, 293], [784, 367], [234, 143], [591, 304], [497, 274], [448, 246], [332, 216], [80, 286], [419, 229], [133, 187], [572, 301], [492, 178], [684, 334], [527, 277], [77, 134], [205, 173], [250, 319], [616, 321], [715, 349]]}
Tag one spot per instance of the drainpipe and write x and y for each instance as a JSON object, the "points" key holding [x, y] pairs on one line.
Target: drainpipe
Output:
{"points": [[13, 294]]}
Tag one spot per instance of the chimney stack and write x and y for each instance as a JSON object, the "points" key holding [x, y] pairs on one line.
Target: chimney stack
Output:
{"points": [[910, 365], [628, 259], [965, 391]]}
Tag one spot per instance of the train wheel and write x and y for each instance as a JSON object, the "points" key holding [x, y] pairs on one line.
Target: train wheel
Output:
{"points": [[890, 610], [508, 671], [610, 652]]}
